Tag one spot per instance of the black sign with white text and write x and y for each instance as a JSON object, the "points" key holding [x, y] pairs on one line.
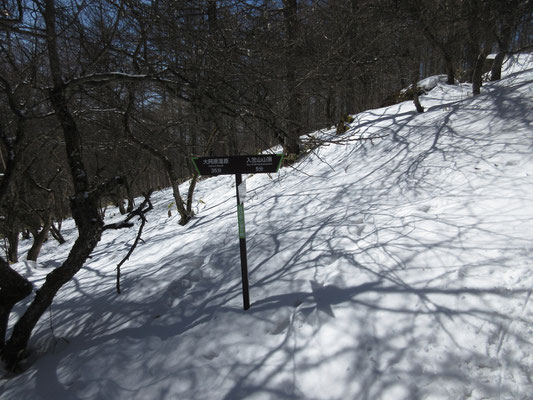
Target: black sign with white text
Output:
{"points": [[229, 165], [238, 165]]}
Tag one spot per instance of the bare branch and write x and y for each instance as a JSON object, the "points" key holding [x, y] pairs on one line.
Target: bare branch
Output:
{"points": [[143, 208], [140, 211]]}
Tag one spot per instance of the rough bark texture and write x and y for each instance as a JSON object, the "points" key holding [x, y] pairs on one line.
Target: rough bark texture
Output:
{"points": [[167, 164], [477, 76], [56, 233], [174, 181], [172, 177], [13, 246], [496, 69], [418, 106], [190, 193], [38, 239], [84, 207], [448, 59], [13, 288], [291, 142], [450, 70], [83, 247], [504, 42]]}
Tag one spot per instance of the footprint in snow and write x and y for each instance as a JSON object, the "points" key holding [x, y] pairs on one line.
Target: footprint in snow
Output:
{"points": [[210, 355], [423, 208], [286, 318], [280, 325], [358, 221]]}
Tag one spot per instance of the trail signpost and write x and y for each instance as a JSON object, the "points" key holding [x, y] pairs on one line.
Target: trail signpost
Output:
{"points": [[238, 165]]}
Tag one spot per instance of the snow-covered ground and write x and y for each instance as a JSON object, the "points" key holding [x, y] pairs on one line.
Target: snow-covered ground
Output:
{"points": [[396, 268]]}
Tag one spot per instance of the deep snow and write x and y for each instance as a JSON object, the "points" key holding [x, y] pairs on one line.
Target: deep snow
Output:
{"points": [[393, 268]]}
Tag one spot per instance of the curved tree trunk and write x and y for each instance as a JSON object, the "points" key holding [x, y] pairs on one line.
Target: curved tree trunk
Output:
{"points": [[174, 182], [16, 345], [56, 232], [13, 288], [84, 206], [38, 239], [171, 174], [418, 106]]}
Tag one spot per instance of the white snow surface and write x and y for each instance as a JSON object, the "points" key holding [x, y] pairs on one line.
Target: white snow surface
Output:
{"points": [[394, 268]]}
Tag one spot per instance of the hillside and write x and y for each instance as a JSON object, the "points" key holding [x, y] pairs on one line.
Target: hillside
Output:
{"points": [[393, 268]]}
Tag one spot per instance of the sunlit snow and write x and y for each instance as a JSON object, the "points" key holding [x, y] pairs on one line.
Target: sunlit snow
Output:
{"points": [[394, 268]]}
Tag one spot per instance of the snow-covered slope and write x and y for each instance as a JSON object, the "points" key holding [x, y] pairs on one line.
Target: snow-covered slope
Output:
{"points": [[393, 268]]}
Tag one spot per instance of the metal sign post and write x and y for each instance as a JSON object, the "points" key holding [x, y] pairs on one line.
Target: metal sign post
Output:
{"points": [[238, 165], [242, 246]]}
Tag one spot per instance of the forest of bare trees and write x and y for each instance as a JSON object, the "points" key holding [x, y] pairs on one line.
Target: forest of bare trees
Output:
{"points": [[102, 101]]}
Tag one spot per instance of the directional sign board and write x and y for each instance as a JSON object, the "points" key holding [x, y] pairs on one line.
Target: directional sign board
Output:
{"points": [[238, 165], [230, 165]]}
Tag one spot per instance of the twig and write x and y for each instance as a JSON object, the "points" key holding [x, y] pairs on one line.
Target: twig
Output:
{"points": [[140, 212]]}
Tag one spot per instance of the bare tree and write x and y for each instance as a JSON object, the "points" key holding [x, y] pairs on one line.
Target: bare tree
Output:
{"points": [[84, 201]]}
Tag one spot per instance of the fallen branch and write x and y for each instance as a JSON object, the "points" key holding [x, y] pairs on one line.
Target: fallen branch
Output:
{"points": [[140, 211]]}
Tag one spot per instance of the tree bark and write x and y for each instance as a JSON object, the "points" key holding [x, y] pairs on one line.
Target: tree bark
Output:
{"points": [[291, 142], [450, 70], [504, 41], [496, 69], [84, 206], [56, 233], [167, 164], [190, 193], [448, 60], [172, 177], [83, 247], [13, 246], [174, 182], [477, 75], [13, 288], [418, 106], [38, 240]]}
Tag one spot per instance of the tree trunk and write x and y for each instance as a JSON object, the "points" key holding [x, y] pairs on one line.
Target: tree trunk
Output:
{"points": [[84, 206], [38, 239], [473, 40], [448, 59], [5, 310], [174, 182], [13, 288], [171, 174], [169, 169], [190, 193], [129, 195], [56, 233], [416, 90], [119, 202], [504, 42], [496, 69], [83, 247], [477, 76], [418, 106], [13, 246], [450, 70], [291, 142]]}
